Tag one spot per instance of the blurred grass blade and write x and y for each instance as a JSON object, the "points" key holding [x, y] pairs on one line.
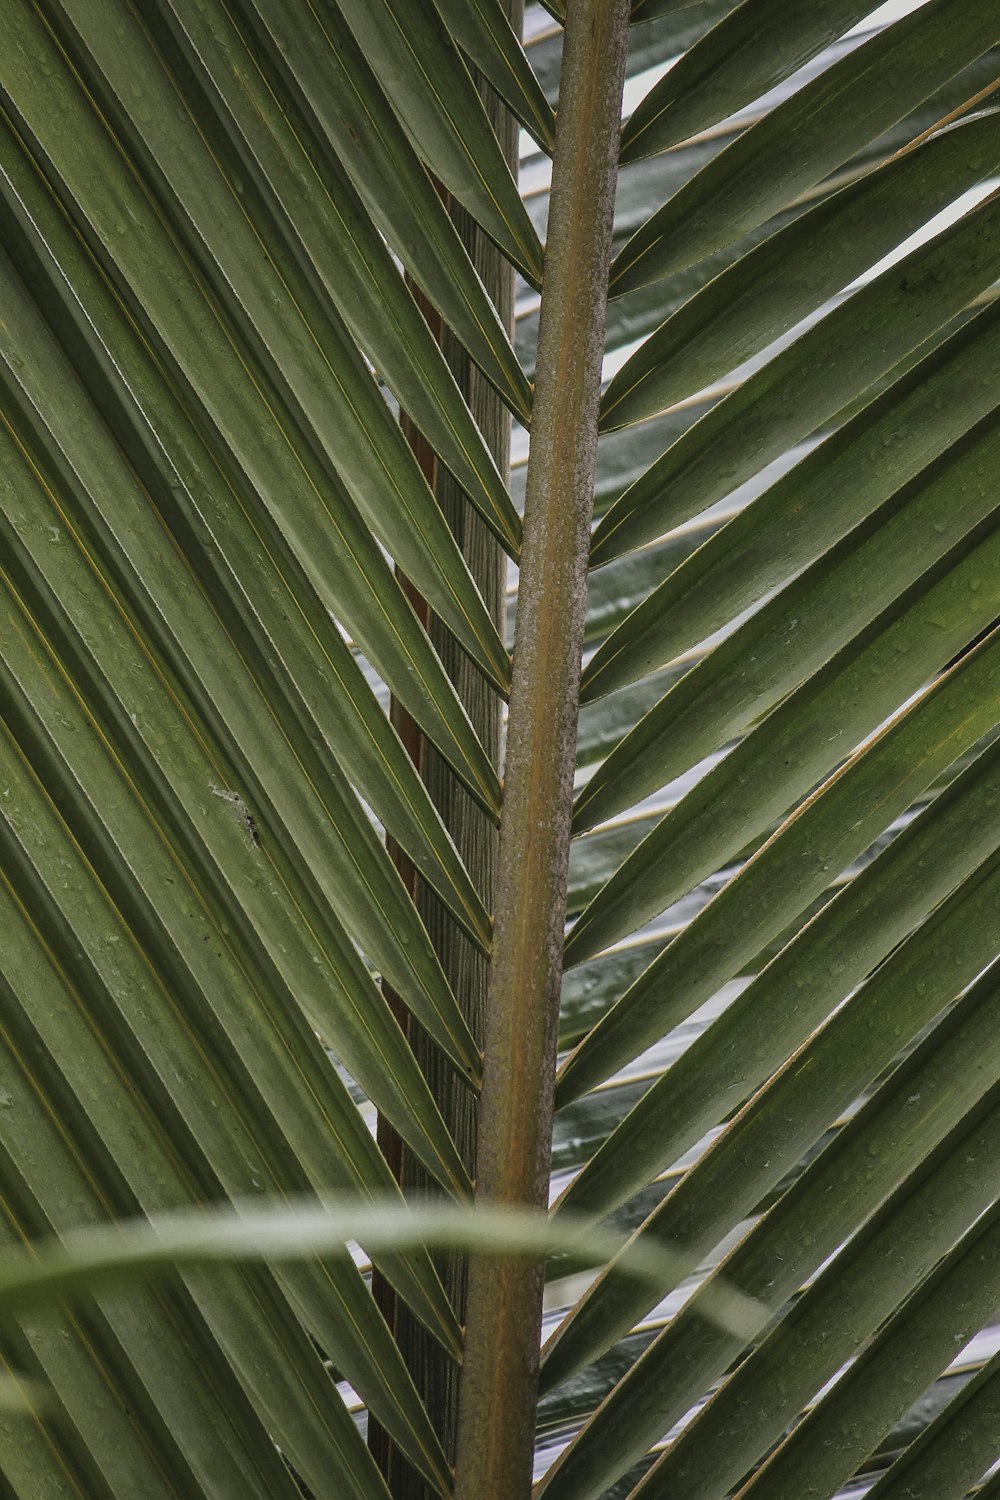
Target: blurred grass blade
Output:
{"points": [[246, 1233]]}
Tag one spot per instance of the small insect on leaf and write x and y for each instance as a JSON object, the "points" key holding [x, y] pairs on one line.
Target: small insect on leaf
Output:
{"points": [[241, 810]]}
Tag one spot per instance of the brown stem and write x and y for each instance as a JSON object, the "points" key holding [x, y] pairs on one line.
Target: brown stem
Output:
{"points": [[499, 1382]]}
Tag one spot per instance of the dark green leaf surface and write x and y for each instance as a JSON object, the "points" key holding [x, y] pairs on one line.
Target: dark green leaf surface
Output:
{"points": [[275, 149], [817, 969], [845, 479], [245, 1315], [284, 634], [811, 134], [312, 55], [209, 226], [680, 12], [797, 863], [429, 87], [905, 1119], [805, 385], [920, 1340], [884, 1262], [483, 31], [955, 1450], [794, 748], [792, 273], [645, 186], [350, 866], [304, 353], [241, 975], [754, 47], [752, 670], [310, 513]]}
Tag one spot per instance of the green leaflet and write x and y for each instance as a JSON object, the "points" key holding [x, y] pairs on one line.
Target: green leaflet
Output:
{"points": [[779, 1123], [162, 1355], [644, 186], [316, 814], [260, 593], [955, 1450], [872, 1154], [84, 718], [41, 1459], [311, 208], [875, 1039], [849, 476], [803, 387], [778, 282], [167, 1423], [924, 622], [806, 137], [754, 669], [796, 865], [244, 969], [754, 47], [944, 1312], [483, 31], [648, 10], [318, 62], [428, 86], [283, 487], [305, 355], [882, 1265], [239, 1105]]}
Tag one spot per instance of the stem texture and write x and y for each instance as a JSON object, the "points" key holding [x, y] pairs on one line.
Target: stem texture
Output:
{"points": [[499, 1382]]}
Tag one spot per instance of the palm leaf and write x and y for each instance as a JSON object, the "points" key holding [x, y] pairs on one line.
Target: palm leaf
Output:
{"points": [[186, 731], [224, 558], [624, 1122]]}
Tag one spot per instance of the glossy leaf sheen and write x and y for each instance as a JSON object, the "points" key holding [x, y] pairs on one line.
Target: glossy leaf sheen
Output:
{"points": [[798, 143], [429, 87]]}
